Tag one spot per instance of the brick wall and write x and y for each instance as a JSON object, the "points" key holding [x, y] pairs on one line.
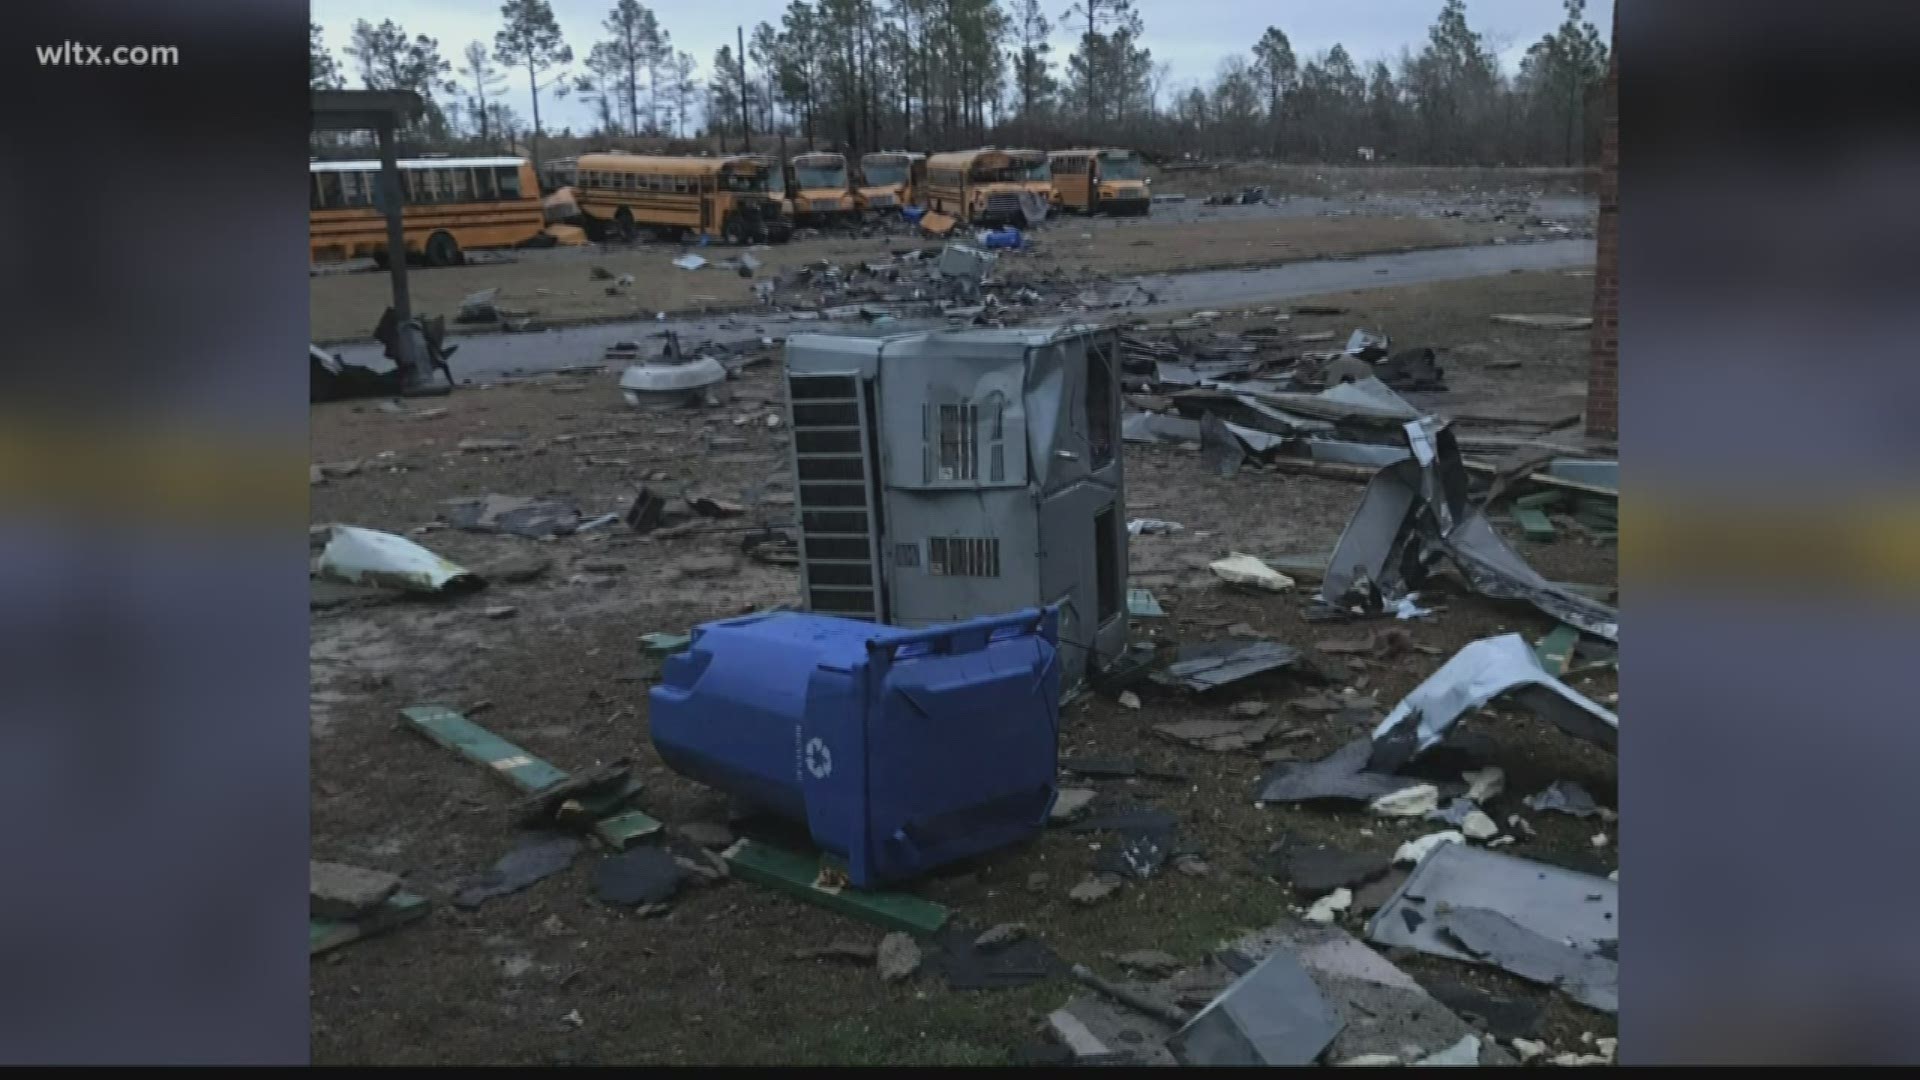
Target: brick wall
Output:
{"points": [[1603, 369]]}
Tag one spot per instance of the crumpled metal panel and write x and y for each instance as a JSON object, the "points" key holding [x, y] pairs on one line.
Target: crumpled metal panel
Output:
{"points": [[1273, 1015], [1478, 673]]}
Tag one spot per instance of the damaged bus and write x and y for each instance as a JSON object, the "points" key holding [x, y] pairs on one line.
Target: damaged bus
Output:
{"points": [[891, 179], [818, 186], [990, 186], [731, 198], [449, 206], [1100, 181]]}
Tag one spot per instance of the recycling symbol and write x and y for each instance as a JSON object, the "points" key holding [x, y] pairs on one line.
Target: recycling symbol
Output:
{"points": [[819, 759]]}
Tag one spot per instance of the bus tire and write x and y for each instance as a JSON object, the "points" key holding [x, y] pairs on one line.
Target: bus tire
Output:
{"points": [[443, 250], [623, 221], [737, 230], [380, 259]]}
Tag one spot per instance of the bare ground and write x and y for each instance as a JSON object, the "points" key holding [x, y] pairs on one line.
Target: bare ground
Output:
{"points": [[711, 981], [555, 285]]}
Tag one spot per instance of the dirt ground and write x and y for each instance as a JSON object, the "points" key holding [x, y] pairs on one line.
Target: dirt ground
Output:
{"points": [[1345, 212], [551, 976]]}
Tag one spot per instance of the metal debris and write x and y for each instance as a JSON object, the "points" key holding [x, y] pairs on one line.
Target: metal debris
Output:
{"points": [[1479, 672], [1203, 667], [1538, 919], [534, 518], [355, 556], [1272, 1015]]}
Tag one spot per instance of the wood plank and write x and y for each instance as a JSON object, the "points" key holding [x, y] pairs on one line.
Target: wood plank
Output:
{"points": [[798, 875], [475, 743], [1546, 480], [1555, 651], [400, 908], [1534, 524], [620, 831], [1142, 605]]}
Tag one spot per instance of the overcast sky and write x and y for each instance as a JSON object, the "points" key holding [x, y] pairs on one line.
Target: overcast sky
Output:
{"points": [[1190, 36]]}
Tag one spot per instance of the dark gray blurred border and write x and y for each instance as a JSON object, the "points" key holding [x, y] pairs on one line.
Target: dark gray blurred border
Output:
{"points": [[1770, 246], [153, 783]]}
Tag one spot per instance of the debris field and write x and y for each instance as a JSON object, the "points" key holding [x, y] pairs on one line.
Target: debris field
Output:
{"points": [[511, 875]]}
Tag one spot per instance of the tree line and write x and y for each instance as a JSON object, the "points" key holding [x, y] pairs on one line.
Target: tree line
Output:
{"points": [[939, 74]]}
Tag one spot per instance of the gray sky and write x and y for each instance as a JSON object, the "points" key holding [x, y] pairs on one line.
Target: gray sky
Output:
{"points": [[1190, 36]]}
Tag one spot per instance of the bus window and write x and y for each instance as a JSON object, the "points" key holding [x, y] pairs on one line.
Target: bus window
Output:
{"points": [[460, 185], [483, 184], [356, 188], [327, 194], [434, 185], [508, 177], [1122, 168]]}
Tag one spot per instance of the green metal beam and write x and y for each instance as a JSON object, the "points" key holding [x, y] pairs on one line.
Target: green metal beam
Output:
{"points": [[400, 908], [799, 875]]}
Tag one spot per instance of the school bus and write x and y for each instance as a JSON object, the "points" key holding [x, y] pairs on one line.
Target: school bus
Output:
{"points": [[989, 186], [449, 206], [817, 183], [1094, 181], [727, 197], [891, 179]]}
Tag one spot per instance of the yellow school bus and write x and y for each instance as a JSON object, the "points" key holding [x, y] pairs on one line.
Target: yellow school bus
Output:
{"points": [[818, 185], [989, 186], [891, 179], [450, 206], [728, 197], [1094, 181]]}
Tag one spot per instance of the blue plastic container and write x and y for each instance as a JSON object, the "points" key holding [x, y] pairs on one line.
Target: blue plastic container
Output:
{"points": [[899, 750], [913, 214], [1005, 237]]}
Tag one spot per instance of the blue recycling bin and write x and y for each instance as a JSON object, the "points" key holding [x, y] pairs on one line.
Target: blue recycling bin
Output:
{"points": [[1006, 237], [913, 214], [899, 750]]}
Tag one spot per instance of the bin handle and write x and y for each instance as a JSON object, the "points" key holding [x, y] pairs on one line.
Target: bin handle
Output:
{"points": [[969, 636]]}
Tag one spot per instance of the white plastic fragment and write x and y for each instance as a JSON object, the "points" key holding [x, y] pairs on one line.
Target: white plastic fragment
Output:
{"points": [[1415, 801], [1239, 569], [1528, 1049], [1411, 852], [1484, 784], [1329, 907], [1478, 826], [1464, 1052], [358, 556]]}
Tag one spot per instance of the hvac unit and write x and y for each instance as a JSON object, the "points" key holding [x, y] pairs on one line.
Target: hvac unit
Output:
{"points": [[946, 475]]}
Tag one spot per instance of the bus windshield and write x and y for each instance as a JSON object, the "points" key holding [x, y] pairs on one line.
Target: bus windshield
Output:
{"points": [[885, 175], [732, 181], [1015, 173], [813, 176], [1122, 168]]}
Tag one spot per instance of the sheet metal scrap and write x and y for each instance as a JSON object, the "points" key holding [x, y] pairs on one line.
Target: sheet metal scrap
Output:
{"points": [[1343, 774], [1541, 922], [1273, 1015], [1385, 1011], [1416, 514], [1203, 667], [1479, 672], [530, 517]]}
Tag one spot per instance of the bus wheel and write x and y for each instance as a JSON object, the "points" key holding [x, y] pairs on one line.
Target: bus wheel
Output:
{"points": [[737, 230], [624, 222], [380, 259], [443, 251]]}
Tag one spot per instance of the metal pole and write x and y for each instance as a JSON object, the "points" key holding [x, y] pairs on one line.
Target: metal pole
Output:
{"points": [[396, 235], [746, 128]]}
